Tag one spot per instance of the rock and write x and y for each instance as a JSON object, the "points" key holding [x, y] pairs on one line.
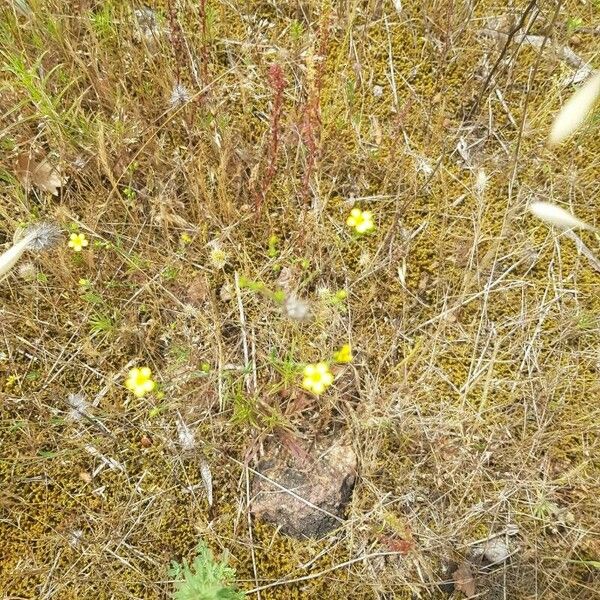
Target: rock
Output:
{"points": [[305, 498], [492, 552]]}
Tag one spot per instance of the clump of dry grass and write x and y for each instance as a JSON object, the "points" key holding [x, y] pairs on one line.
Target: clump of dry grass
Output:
{"points": [[470, 397]]}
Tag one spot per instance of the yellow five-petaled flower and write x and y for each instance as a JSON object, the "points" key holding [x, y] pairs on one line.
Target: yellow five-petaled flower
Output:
{"points": [[140, 381], [317, 378], [343, 355], [361, 220], [77, 241]]}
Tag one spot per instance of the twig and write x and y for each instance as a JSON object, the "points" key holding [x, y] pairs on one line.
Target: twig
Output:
{"points": [[247, 378], [507, 44], [539, 41], [252, 553]]}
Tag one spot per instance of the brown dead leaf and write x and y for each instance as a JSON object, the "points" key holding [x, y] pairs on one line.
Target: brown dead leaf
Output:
{"points": [[396, 544], [40, 174], [198, 291], [464, 580]]}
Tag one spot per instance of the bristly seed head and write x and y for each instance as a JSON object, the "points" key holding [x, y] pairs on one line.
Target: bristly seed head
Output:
{"points": [[43, 235], [179, 95], [27, 271], [296, 309], [79, 406], [147, 24]]}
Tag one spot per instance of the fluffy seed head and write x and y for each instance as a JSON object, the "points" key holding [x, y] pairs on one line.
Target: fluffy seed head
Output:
{"points": [[575, 111], [179, 95], [557, 216], [43, 235], [296, 309]]}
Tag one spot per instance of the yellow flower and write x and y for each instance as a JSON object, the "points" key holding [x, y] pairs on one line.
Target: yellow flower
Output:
{"points": [[140, 381], [343, 355], [361, 220], [185, 238], [11, 380], [77, 241], [317, 378], [84, 282]]}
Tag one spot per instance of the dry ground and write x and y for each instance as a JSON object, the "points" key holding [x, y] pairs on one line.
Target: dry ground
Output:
{"points": [[472, 399]]}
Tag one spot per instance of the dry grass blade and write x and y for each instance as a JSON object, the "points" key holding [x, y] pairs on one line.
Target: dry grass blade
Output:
{"points": [[465, 392], [10, 258]]}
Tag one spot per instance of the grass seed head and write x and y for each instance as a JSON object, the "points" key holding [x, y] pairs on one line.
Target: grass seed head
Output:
{"points": [[575, 111], [557, 216]]}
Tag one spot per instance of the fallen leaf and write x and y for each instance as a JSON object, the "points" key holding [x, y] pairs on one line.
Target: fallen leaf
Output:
{"points": [[396, 544], [198, 291], [40, 174], [464, 581]]}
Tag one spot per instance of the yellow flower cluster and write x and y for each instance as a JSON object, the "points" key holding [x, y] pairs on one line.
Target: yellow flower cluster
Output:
{"points": [[317, 378], [343, 355], [360, 220], [77, 241], [140, 381]]}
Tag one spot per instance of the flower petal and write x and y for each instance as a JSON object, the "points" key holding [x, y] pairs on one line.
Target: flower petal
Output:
{"points": [[309, 370], [318, 388]]}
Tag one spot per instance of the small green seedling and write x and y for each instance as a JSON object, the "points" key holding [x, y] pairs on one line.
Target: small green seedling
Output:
{"points": [[205, 578]]}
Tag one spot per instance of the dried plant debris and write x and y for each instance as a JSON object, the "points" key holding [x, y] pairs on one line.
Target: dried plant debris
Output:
{"points": [[79, 406], [39, 173], [147, 25], [499, 28], [492, 552], [464, 579], [185, 434], [206, 474]]}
